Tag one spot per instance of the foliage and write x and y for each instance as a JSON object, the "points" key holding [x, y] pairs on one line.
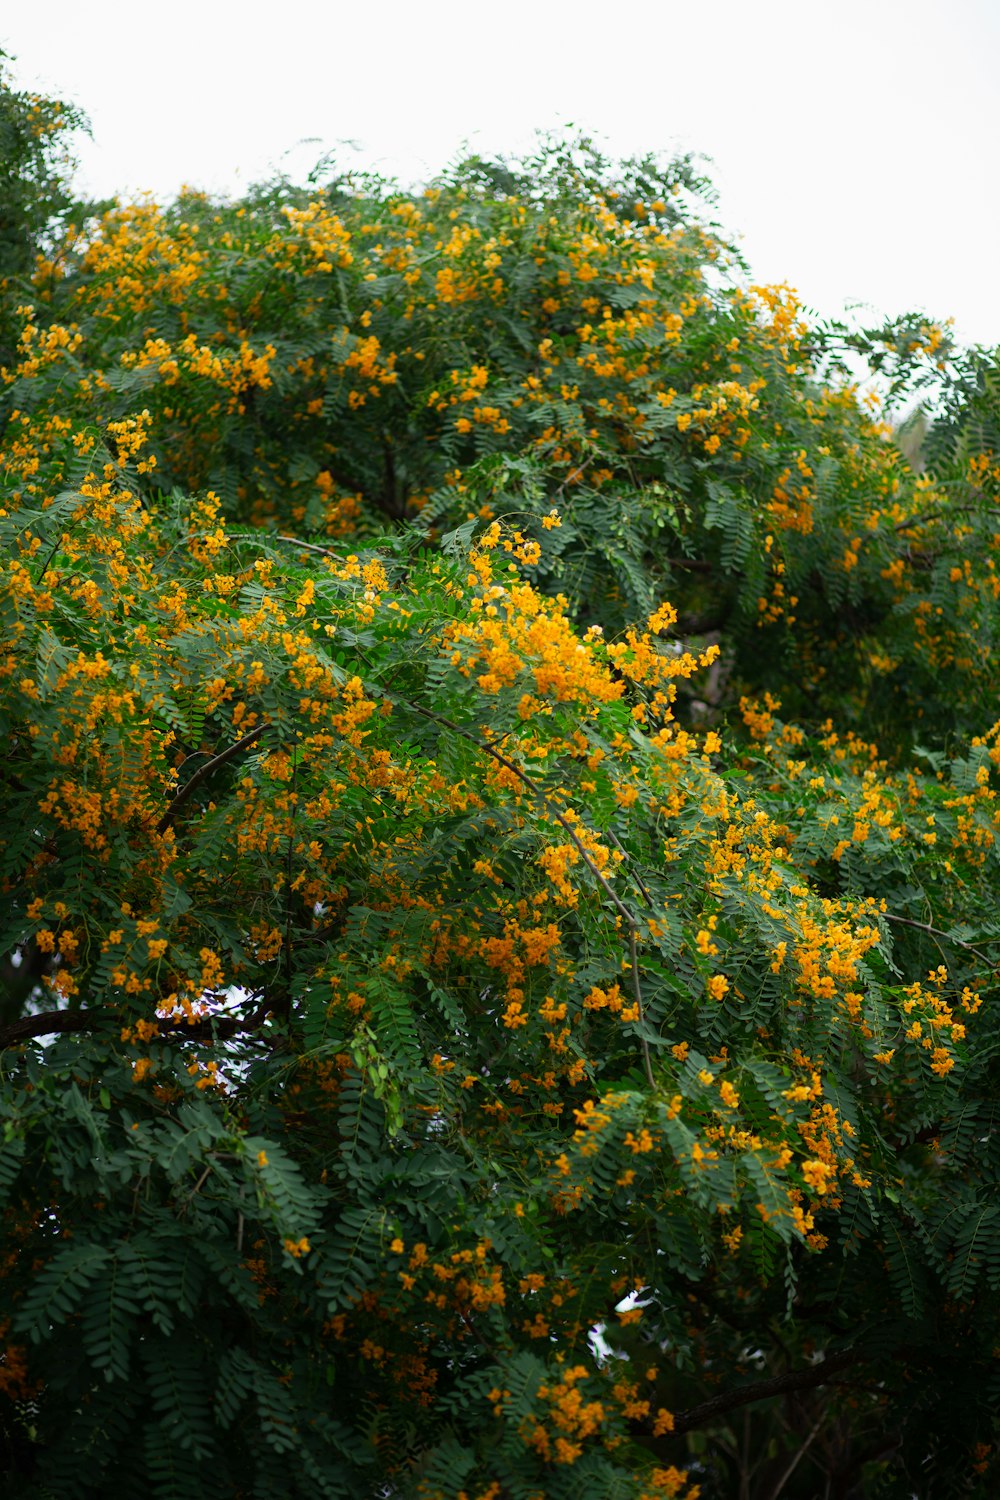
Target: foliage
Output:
{"points": [[332, 359], [35, 194], [460, 1039]]}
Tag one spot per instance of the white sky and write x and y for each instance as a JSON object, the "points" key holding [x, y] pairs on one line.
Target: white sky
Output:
{"points": [[855, 143]]}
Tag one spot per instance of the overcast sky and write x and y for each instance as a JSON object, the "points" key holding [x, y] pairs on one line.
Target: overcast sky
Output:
{"points": [[855, 144]]}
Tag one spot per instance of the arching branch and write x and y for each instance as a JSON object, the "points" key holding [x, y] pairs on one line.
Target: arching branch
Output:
{"points": [[230, 753], [761, 1390]]}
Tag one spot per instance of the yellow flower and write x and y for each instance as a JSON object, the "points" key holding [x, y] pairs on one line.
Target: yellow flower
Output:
{"points": [[817, 1175]]}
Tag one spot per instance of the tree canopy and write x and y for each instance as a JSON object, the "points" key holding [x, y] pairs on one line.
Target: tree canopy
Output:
{"points": [[498, 859]]}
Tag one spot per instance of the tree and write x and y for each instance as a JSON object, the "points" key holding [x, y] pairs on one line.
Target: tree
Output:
{"points": [[460, 1038], [36, 166]]}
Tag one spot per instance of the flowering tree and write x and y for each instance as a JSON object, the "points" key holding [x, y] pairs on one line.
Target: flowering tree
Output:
{"points": [[460, 1039], [35, 194]]}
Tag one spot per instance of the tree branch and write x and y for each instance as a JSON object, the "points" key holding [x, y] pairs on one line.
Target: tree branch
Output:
{"points": [[49, 1021], [230, 752], [945, 514], [762, 1390], [209, 1028], [939, 932]]}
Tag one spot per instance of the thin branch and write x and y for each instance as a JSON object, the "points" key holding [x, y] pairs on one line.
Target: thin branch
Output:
{"points": [[574, 838], [230, 752], [637, 991], [201, 1181], [287, 955], [930, 515], [45, 564], [939, 932], [293, 541], [634, 873], [790, 1470], [945, 514], [266, 538], [762, 1390], [572, 477]]}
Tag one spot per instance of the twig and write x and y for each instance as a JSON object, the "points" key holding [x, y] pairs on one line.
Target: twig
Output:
{"points": [[637, 991], [577, 473], [939, 932], [287, 965], [947, 513], [930, 515], [200, 1183], [45, 564], [294, 541], [634, 873], [790, 1470]]}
